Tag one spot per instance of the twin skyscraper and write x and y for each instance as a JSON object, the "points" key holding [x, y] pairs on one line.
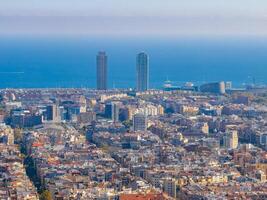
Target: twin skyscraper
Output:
{"points": [[142, 71]]}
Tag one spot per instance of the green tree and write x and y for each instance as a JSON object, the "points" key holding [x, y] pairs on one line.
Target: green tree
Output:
{"points": [[105, 148], [46, 195], [127, 123], [17, 134]]}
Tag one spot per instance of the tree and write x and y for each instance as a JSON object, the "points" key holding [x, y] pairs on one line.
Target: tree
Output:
{"points": [[128, 123], [17, 135], [105, 148], [46, 195]]}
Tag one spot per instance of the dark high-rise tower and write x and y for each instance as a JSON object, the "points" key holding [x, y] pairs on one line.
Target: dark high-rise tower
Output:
{"points": [[53, 113], [101, 60], [140, 122], [142, 68], [112, 111]]}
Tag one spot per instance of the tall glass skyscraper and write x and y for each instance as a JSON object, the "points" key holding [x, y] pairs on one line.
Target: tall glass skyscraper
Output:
{"points": [[142, 67], [101, 70]]}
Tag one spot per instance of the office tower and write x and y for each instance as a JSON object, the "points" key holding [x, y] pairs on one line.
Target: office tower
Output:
{"points": [[49, 113], [53, 113], [140, 122], [63, 113], [263, 140], [169, 187], [222, 87], [142, 68], [25, 120], [228, 85], [112, 111], [108, 110], [126, 113], [115, 112], [231, 140], [101, 70], [216, 88]]}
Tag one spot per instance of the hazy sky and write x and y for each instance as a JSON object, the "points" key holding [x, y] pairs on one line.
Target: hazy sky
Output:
{"points": [[134, 17]]}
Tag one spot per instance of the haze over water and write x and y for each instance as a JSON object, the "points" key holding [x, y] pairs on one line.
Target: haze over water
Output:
{"points": [[31, 62]]}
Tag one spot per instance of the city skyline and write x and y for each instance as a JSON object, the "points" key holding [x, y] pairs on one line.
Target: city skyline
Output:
{"points": [[133, 100], [142, 71]]}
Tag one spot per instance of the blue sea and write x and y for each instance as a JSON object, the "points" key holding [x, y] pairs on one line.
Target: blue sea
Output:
{"points": [[43, 62]]}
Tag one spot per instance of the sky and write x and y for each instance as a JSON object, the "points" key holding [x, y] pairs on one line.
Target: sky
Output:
{"points": [[134, 17]]}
